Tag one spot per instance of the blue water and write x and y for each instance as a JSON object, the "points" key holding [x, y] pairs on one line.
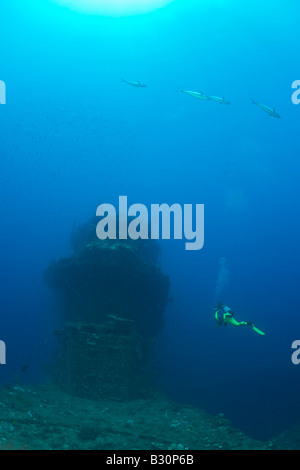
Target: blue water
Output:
{"points": [[73, 136]]}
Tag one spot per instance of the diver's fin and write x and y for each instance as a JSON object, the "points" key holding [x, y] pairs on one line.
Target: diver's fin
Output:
{"points": [[253, 102], [249, 323], [258, 331]]}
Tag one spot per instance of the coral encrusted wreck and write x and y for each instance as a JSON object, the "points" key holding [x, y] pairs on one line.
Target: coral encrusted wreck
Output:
{"points": [[113, 295]]}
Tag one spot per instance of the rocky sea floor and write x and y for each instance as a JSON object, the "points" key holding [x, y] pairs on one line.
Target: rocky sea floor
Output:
{"points": [[45, 418]]}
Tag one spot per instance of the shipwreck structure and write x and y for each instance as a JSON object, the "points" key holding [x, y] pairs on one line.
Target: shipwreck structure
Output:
{"points": [[113, 295]]}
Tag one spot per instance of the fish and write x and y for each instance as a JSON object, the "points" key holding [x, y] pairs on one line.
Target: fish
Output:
{"points": [[136, 84], [270, 111], [119, 318], [219, 100], [196, 94]]}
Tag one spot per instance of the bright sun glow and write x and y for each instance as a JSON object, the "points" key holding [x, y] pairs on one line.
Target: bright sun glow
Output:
{"points": [[114, 7]]}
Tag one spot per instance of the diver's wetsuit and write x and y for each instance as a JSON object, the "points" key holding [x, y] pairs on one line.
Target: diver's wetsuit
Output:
{"points": [[225, 315]]}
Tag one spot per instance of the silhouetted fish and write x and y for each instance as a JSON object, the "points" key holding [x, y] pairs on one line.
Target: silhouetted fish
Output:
{"points": [[196, 94], [136, 84], [219, 100], [269, 111]]}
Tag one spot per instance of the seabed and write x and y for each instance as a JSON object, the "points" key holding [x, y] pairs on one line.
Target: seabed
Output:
{"points": [[46, 418]]}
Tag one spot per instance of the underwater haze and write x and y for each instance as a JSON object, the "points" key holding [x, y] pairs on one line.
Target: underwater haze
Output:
{"points": [[73, 135]]}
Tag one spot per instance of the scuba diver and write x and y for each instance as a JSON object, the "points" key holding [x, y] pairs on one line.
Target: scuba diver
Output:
{"points": [[225, 315]]}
